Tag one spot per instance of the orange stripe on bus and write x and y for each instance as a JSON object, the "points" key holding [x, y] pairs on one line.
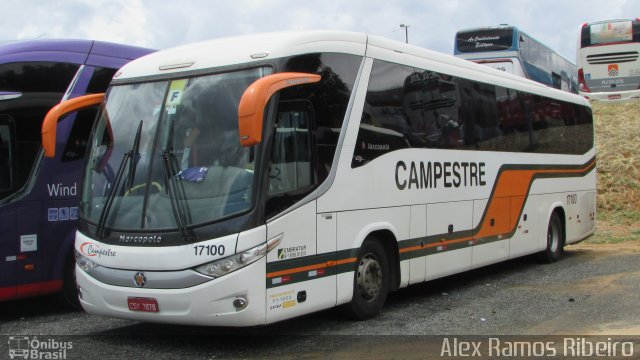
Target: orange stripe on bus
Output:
{"points": [[510, 193], [311, 267]]}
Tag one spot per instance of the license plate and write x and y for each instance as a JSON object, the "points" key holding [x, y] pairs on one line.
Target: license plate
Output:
{"points": [[615, 97], [143, 304]]}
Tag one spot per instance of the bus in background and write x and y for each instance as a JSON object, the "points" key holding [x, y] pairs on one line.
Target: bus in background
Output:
{"points": [[509, 49], [608, 60], [39, 196], [274, 175]]}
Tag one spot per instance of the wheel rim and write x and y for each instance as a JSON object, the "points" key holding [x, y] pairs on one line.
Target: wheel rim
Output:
{"points": [[369, 277], [553, 236]]}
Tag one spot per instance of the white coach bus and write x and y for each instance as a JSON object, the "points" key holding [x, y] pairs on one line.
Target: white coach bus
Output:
{"points": [[249, 180], [608, 60]]}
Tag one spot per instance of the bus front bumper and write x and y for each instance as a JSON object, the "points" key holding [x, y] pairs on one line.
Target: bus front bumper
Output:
{"points": [[210, 303]]}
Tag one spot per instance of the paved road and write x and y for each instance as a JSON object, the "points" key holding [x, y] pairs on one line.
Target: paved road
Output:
{"points": [[593, 290]]}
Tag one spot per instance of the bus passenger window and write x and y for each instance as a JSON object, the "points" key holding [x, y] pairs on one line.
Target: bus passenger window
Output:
{"points": [[5, 158]]}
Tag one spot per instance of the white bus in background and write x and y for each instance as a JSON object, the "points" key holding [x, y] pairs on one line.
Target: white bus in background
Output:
{"points": [[608, 60], [275, 175], [509, 49]]}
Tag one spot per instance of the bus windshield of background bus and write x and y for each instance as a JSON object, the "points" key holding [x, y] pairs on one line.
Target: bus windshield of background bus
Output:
{"points": [[612, 32], [484, 40], [167, 154]]}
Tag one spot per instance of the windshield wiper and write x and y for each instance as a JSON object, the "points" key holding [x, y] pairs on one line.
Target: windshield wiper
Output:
{"points": [[177, 195], [134, 157], [130, 157]]}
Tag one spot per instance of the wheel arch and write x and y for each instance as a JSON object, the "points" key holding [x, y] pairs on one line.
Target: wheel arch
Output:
{"points": [[390, 243]]}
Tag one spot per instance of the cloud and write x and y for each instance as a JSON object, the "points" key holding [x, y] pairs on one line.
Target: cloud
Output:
{"points": [[432, 23]]}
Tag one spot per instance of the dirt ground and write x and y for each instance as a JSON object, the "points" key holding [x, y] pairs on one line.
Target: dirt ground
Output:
{"points": [[611, 284]]}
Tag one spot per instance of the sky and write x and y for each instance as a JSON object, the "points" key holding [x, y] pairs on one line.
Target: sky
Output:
{"points": [[432, 24]]}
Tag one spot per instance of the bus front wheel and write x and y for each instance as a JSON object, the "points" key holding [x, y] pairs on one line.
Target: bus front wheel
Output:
{"points": [[371, 281]]}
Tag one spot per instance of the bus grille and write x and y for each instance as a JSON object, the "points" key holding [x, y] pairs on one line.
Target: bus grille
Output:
{"points": [[613, 57]]}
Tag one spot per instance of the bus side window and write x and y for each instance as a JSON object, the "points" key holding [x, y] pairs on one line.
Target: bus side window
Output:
{"points": [[76, 145], [291, 172], [42, 85], [6, 154]]}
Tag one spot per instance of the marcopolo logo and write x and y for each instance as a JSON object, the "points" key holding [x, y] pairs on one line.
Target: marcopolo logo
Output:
{"points": [[140, 239], [25, 347]]}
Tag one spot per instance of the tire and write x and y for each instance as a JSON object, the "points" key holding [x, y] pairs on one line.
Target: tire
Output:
{"points": [[69, 294], [370, 281], [555, 240]]}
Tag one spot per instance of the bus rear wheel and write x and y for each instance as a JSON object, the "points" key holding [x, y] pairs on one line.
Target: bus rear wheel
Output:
{"points": [[370, 282], [555, 240]]}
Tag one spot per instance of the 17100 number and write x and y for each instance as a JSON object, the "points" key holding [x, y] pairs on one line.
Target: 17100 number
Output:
{"points": [[208, 250]]}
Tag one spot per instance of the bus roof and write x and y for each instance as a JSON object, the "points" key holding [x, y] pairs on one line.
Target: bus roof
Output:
{"points": [[69, 50], [490, 27], [234, 51], [243, 49]]}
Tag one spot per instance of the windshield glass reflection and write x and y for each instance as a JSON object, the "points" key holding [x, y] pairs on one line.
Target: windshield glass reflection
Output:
{"points": [[167, 155]]}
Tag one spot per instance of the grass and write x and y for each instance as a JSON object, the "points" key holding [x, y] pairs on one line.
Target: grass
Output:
{"points": [[618, 149]]}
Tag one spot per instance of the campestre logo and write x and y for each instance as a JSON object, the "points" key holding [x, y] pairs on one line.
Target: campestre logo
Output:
{"points": [[25, 347], [91, 249]]}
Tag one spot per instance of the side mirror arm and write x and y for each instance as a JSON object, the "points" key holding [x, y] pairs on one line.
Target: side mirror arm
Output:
{"points": [[255, 99]]}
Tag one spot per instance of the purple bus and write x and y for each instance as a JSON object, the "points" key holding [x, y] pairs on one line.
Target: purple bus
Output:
{"points": [[39, 195]]}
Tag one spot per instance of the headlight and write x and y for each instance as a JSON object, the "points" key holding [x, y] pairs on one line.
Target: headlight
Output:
{"points": [[84, 263], [232, 263]]}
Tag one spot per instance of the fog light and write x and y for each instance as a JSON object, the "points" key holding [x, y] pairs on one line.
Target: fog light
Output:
{"points": [[240, 303]]}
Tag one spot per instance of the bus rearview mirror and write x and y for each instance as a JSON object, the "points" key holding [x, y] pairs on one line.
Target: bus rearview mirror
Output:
{"points": [[255, 99], [50, 123]]}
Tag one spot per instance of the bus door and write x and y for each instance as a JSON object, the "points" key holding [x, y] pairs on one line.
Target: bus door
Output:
{"points": [[60, 185], [59, 181], [8, 245], [296, 262]]}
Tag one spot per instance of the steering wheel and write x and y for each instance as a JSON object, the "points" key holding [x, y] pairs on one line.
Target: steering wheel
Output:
{"points": [[140, 186]]}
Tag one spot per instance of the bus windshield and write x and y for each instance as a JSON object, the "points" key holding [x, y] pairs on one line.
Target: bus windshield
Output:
{"points": [[610, 32], [166, 155], [484, 40]]}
